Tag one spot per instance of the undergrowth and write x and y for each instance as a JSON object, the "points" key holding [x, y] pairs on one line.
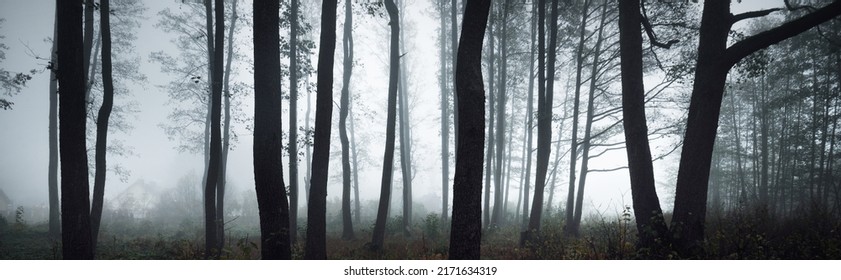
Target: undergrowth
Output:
{"points": [[744, 234]]}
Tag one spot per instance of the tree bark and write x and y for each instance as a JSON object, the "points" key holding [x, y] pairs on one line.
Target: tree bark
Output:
{"points": [[357, 211], [212, 249], [405, 135], [445, 120], [570, 228], [102, 122], [226, 137], [651, 226], [489, 156], [453, 60], [347, 44], [466, 233], [208, 12], [316, 217], [293, 122], [544, 121], [529, 127], [498, 214], [268, 150], [588, 124], [388, 157], [75, 193], [52, 177]]}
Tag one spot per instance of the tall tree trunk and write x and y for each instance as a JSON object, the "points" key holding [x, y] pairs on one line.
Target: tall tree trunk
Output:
{"points": [[52, 177], [356, 209], [307, 128], [208, 13], [212, 249], [405, 135], [453, 60], [75, 193], [714, 61], [489, 156], [588, 124], [405, 147], [388, 157], [347, 46], [316, 217], [405, 151], [268, 150], [651, 226], [569, 229], [500, 126], [226, 138], [529, 125], [466, 233], [293, 122], [544, 121], [508, 160], [445, 119], [102, 122]]}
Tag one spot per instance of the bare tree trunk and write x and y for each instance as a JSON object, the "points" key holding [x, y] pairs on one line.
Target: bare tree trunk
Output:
{"points": [[293, 122], [588, 125], [268, 150], [212, 249], [405, 151], [388, 158], [453, 59], [307, 128], [529, 127], [75, 193], [489, 156], [405, 135], [357, 211], [102, 122], [544, 121], [208, 11], [52, 177], [226, 138], [651, 226], [508, 160], [347, 44], [466, 233], [496, 220], [569, 228], [316, 217], [445, 120]]}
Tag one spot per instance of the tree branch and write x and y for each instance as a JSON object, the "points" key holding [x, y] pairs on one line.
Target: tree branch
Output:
{"points": [[607, 170], [650, 31], [754, 14], [740, 50]]}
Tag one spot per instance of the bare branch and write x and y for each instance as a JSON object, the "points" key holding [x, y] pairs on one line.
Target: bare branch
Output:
{"points": [[740, 50], [650, 31], [607, 170], [754, 14]]}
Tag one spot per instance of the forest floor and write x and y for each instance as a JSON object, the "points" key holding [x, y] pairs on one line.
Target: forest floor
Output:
{"points": [[816, 235]]}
